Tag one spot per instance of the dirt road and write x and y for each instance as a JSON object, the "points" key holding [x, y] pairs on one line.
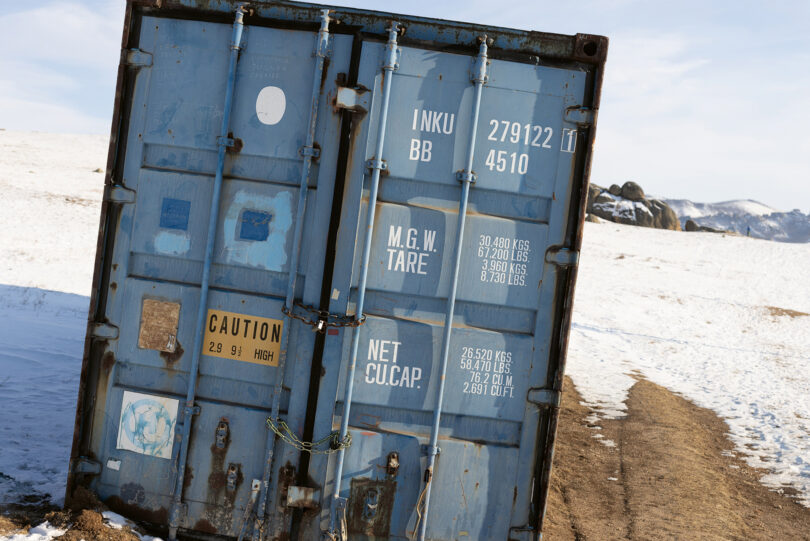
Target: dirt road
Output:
{"points": [[671, 475]]}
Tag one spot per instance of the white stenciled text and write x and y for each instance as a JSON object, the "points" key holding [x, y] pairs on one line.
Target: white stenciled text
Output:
{"points": [[382, 367], [488, 372], [409, 249], [504, 260], [425, 121]]}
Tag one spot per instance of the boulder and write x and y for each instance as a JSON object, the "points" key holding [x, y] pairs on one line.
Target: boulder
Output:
{"points": [[604, 197], [593, 193], [632, 191], [663, 216], [593, 219], [631, 207], [693, 226]]}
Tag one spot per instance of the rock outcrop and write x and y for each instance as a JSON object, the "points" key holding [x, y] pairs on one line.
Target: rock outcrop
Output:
{"points": [[693, 226], [628, 205]]}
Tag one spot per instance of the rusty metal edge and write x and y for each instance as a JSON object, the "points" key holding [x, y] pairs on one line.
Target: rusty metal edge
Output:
{"points": [[448, 33], [570, 286], [98, 270]]}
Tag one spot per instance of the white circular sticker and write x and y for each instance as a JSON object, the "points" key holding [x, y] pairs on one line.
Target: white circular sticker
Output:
{"points": [[270, 105]]}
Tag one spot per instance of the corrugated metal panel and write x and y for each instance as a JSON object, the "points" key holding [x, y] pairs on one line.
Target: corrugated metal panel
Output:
{"points": [[196, 150]]}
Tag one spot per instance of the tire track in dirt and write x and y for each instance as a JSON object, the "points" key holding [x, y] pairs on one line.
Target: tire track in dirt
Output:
{"points": [[672, 480]]}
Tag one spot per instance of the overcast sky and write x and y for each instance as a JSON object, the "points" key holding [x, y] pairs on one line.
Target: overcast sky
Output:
{"points": [[703, 100]]}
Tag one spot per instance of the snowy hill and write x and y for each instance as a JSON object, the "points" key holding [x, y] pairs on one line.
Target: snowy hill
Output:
{"points": [[722, 320], [738, 216]]}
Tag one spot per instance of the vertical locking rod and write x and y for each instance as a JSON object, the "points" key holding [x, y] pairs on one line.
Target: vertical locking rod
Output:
{"points": [[479, 77], [321, 51], [377, 165], [188, 408]]}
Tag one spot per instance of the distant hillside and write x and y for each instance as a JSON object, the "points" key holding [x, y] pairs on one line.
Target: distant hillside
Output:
{"points": [[738, 216]]}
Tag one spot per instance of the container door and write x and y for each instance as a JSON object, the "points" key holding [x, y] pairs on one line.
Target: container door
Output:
{"points": [[156, 265], [485, 484]]}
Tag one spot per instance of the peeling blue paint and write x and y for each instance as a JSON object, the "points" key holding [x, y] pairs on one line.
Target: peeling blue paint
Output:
{"points": [[172, 243], [270, 252]]}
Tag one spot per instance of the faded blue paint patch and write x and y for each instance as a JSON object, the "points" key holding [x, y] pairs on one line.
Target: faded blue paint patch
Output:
{"points": [[174, 213], [270, 252], [172, 243], [255, 225]]}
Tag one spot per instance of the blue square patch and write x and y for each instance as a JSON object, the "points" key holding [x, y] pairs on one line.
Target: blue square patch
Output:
{"points": [[174, 213], [255, 225]]}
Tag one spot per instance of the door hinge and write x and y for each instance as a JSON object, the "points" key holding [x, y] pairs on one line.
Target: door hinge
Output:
{"points": [[119, 194], [544, 397], [562, 257], [138, 58], [354, 99], [303, 497], [83, 464], [523, 534], [105, 331], [581, 116]]}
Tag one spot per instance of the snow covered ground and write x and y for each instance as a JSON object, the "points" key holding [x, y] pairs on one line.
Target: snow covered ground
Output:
{"points": [[51, 196], [722, 320], [713, 317], [41, 341]]}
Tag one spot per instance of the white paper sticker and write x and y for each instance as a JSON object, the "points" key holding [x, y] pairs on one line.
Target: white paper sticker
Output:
{"points": [[147, 424], [270, 105], [114, 464]]}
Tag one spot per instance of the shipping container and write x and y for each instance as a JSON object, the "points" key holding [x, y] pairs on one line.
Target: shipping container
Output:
{"points": [[335, 273]]}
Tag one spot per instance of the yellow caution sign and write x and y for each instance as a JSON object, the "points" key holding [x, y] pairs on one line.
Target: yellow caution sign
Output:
{"points": [[241, 337]]}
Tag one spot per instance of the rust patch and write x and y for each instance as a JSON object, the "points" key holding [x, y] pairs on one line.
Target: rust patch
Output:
{"points": [[238, 144], [217, 479], [203, 525], [286, 478], [370, 505], [107, 361], [188, 477], [325, 71], [159, 321], [172, 358], [113, 286]]}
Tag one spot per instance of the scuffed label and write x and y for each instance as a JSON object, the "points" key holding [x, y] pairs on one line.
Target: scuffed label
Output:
{"points": [[174, 213], [242, 337], [147, 424], [159, 320]]}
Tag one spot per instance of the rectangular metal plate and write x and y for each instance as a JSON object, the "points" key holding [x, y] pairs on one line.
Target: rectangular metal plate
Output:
{"points": [[159, 321]]}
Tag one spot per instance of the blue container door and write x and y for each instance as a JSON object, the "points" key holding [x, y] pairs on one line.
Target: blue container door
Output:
{"points": [[484, 482], [156, 266]]}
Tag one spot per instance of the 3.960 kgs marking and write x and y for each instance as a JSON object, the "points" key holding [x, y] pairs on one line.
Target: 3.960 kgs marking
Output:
{"points": [[504, 260]]}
